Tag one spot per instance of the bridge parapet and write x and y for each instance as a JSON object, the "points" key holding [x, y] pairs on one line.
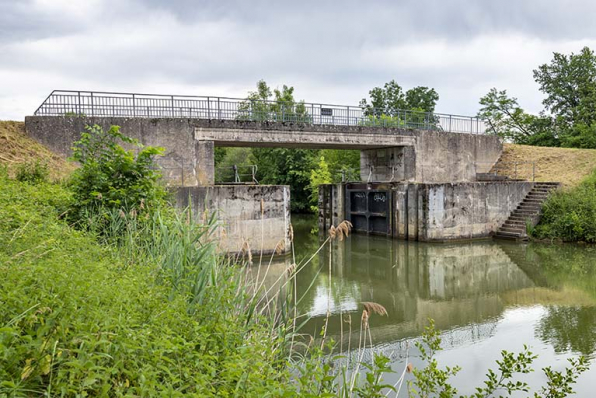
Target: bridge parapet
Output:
{"points": [[155, 106]]}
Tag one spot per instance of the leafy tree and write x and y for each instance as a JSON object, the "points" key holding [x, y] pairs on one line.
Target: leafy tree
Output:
{"points": [[277, 105], [508, 120], [569, 82], [569, 117], [287, 166], [341, 160], [280, 166], [319, 175], [391, 100], [422, 98]]}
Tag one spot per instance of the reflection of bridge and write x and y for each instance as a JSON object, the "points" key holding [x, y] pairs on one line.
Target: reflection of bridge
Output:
{"points": [[456, 285], [399, 349]]}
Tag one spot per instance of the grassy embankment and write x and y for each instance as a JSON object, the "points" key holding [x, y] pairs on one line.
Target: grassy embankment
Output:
{"points": [[16, 149], [568, 166], [570, 213], [80, 318]]}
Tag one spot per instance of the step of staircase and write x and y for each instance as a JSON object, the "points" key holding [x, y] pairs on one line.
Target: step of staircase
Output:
{"points": [[528, 211]]}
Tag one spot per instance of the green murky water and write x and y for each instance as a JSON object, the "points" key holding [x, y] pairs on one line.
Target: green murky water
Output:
{"points": [[484, 296]]}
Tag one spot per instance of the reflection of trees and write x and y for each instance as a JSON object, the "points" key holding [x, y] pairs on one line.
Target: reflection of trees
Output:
{"points": [[569, 328]]}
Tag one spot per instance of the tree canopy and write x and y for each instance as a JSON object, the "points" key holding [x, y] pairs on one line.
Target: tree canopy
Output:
{"points": [[569, 115], [391, 98]]}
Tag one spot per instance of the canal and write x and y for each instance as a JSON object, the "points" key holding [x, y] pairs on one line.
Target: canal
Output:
{"points": [[483, 296]]}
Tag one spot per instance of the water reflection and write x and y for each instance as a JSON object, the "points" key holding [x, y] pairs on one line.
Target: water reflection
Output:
{"points": [[484, 294]]}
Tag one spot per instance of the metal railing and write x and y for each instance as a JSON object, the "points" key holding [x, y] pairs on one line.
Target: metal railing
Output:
{"points": [[511, 170], [243, 174], [110, 104]]}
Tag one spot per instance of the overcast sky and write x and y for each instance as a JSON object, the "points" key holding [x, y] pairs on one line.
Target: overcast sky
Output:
{"points": [[330, 51]]}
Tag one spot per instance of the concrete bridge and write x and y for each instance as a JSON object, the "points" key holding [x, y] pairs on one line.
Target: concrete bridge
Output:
{"points": [[408, 146], [405, 147]]}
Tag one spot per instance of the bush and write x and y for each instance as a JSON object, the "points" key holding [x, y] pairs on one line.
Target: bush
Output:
{"points": [[111, 177], [33, 172], [570, 215]]}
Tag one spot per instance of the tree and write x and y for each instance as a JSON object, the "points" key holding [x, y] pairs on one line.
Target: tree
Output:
{"points": [[569, 82], [277, 105], [508, 120], [503, 114], [319, 175], [287, 166], [391, 99], [422, 98]]}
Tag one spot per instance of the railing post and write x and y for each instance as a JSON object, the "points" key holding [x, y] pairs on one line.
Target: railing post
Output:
{"points": [[208, 108], [450, 123], [92, 110], [172, 106], [218, 109], [134, 106], [79, 106], [236, 176], [348, 115]]}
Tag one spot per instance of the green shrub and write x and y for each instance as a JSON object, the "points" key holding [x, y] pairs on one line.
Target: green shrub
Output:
{"points": [[570, 215], [33, 172], [111, 177]]}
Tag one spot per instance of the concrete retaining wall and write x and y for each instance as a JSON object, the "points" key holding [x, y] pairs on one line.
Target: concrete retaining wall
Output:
{"points": [[438, 212], [466, 210], [249, 216]]}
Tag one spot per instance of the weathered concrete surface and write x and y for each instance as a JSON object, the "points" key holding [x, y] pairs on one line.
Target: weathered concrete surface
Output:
{"points": [[305, 139], [401, 154], [437, 156], [440, 212], [388, 164], [250, 217], [331, 205], [466, 210], [183, 154]]}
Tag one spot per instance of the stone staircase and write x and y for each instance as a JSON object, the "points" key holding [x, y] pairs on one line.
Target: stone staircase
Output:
{"points": [[527, 211]]}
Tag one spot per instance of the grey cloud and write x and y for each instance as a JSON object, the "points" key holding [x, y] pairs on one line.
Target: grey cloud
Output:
{"points": [[331, 51], [407, 19], [23, 21]]}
